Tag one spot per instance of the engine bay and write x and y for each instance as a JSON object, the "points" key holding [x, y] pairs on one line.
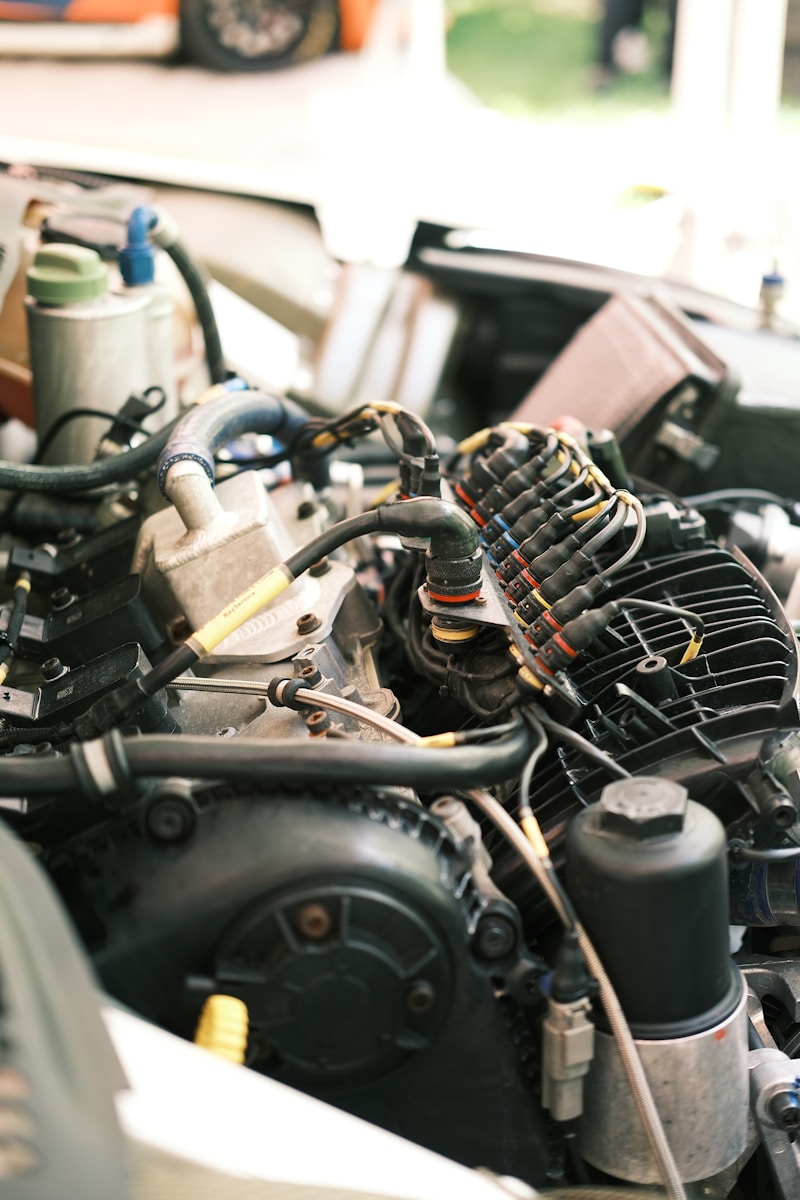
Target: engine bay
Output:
{"points": [[447, 773]]}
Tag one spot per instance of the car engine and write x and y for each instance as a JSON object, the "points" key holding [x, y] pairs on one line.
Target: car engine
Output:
{"points": [[456, 783]]}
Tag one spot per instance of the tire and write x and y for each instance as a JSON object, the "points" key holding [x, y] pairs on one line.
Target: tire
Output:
{"points": [[257, 35]]}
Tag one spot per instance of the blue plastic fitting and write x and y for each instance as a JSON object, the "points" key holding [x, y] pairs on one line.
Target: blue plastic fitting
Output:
{"points": [[137, 258]]}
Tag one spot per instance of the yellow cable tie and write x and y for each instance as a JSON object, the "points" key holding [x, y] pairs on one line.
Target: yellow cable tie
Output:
{"points": [[474, 442], [23, 582], [4, 669], [533, 832], [223, 1027], [589, 512], [600, 477], [692, 650], [241, 609]]}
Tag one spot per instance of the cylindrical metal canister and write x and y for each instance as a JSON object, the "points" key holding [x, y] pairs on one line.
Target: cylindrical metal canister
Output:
{"points": [[647, 872], [88, 348]]}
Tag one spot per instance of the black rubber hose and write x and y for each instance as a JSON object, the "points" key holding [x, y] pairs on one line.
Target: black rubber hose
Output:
{"points": [[155, 756], [193, 278], [453, 535], [208, 426], [290, 761], [30, 477]]}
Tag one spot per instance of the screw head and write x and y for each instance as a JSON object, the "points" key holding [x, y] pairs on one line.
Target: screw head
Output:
{"points": [[420, 997], [170, 820], [313, 921], [308, 622], [53, 668]]}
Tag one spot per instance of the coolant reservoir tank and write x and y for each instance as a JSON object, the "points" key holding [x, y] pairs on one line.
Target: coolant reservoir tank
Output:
{"points": [[88, 347]]}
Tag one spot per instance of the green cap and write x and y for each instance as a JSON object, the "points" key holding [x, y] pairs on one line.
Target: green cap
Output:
{"points": [[62, 274]]}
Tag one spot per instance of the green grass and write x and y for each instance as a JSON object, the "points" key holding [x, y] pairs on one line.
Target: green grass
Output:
{"points": [[526, 57]]}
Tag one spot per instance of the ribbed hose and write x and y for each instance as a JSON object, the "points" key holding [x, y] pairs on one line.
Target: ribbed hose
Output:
{"points": [[29, 477], [206, 427]]}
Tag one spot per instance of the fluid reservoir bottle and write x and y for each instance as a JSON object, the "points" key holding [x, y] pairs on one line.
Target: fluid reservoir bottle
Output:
{"points": [[88, 348]]}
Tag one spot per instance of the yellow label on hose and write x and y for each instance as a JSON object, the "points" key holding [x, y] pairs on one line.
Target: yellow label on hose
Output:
{"points": [[245, 606]]}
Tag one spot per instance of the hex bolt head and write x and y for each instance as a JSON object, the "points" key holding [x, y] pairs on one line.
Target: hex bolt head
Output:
{"points": [[313, 921], [495, 937], [643, 807], [420, 997], [308, 622], [319, 568]]}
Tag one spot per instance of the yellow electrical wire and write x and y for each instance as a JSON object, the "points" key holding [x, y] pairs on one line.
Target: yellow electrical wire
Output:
{"points": [[693, 649], [385, 493], [241, 609]]}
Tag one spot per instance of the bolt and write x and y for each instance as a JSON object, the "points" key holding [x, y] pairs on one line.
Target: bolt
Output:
{"points": [[495, 937], [67, 537], [61, 598], [318, 722], [784, 1109], [170, 820], [319, 568], [308, 622], [310, 674], [420, 997], [53, 668], [228, 731], [313, 921]]}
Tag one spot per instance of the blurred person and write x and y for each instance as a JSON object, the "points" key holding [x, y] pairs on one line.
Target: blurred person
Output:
{"points": [[623, 47]]}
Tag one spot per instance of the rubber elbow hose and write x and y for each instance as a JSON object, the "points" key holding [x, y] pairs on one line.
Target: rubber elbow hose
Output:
{"points": [[234, 412]]}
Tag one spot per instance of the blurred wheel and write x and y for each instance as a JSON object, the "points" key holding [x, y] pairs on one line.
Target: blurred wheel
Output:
{"points": [[257, 35]]}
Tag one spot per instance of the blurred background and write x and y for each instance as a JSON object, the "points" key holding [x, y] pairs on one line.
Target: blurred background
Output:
{"points": [[526, 118]]}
